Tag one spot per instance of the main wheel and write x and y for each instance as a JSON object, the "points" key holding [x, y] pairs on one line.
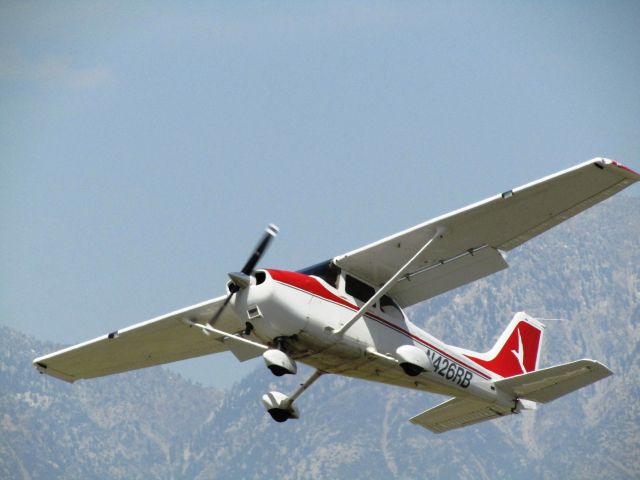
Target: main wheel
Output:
{"points": [[279, 414], [411, 369]]}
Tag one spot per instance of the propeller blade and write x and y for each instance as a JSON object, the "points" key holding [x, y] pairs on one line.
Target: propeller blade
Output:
{"points": [[269, 234], [215, 318]]}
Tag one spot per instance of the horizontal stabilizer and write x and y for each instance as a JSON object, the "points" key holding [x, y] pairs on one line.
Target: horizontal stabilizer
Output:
{"points": [[550, 383], [457, 413]]}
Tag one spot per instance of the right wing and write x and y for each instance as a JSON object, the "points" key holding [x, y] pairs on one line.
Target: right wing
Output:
{"points": [[161, 340], [474, 236]]}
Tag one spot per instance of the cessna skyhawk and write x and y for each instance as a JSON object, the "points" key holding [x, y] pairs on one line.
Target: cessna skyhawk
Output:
{"points": [[344, 316]]}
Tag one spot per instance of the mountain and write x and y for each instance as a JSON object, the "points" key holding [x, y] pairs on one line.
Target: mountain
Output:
{"points": [[119, 427], [155, 424]]}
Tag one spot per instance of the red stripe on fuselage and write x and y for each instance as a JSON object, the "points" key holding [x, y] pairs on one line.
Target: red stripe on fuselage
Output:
{"points": [[312, 286], [308, 284]]}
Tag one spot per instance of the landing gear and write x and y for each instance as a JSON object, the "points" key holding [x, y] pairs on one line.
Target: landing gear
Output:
{"points": [[281, 407], [280, 415], [411, 369], [413, 360], [278, 361]]}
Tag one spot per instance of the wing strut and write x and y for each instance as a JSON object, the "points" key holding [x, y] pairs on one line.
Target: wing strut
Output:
{"points": [[390, 283], [242, 348]]}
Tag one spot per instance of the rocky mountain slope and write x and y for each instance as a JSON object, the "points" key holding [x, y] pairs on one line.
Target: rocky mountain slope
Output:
{"points": [[154, 424]]}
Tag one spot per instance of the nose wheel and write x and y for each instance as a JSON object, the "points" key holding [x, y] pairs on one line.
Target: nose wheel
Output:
{"points": [[281, 407]]}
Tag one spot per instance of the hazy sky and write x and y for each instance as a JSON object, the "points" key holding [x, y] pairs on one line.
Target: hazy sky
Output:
{"points": [[145, 145]]}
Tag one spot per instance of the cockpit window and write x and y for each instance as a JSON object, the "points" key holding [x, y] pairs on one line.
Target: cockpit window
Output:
{"points": [[358, 289], [325, 270], [388, 306]]}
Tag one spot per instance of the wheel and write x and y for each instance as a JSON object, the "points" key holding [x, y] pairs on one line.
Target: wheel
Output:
{"points": [[411, 369], [277, 370], [279, 414]]}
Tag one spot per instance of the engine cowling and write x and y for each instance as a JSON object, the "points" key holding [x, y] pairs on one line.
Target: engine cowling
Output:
{"points": [[413, 360]]}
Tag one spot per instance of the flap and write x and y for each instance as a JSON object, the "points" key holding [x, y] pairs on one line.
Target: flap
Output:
{"points": [[447, 275]]}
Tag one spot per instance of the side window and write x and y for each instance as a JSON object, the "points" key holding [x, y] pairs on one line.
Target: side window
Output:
{"points": [[389, 307], [358, 289]]}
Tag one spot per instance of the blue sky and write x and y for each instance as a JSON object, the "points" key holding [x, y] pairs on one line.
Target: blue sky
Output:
{"points": [[145, 145]]}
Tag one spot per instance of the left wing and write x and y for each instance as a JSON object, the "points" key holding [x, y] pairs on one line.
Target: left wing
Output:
{"points": [[161, 340], [471, 238]]}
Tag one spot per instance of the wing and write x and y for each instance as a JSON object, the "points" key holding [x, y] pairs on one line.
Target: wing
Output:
{"points": [[161, 340], [474, 236]]}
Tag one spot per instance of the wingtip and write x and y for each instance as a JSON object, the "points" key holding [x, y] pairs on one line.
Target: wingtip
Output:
{"points": [[629, 171], [624, 167], [43, 368], [604, 370]]}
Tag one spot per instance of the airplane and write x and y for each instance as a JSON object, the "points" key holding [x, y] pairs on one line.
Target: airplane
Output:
{"points": [[345, 315]]}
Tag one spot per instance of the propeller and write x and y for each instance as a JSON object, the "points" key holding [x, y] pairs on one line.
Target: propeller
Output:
{"points": [[242, 279]]}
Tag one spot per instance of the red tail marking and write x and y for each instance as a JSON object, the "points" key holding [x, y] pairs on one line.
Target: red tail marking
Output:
{"points": [[520, 350]]}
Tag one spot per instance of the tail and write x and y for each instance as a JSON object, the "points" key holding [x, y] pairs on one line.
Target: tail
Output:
{"points": [[517, 351], [514, 357]]}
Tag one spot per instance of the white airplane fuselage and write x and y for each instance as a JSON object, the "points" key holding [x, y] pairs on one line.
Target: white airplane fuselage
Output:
{"points": [[304, 312]]}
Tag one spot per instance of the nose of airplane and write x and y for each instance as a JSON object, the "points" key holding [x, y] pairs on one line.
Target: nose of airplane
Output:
{"points": [[243, 279], [249, 301]]}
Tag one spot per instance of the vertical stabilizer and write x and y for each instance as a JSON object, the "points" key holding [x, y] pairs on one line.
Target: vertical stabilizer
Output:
{"points": [[517, 351]]}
